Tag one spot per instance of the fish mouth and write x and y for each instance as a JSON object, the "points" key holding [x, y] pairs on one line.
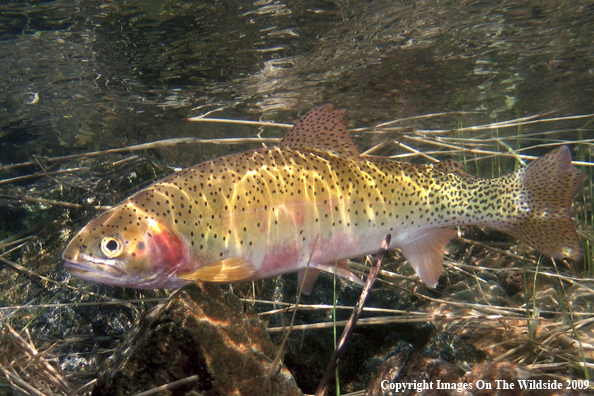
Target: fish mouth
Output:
{"points": [[96, 270]]}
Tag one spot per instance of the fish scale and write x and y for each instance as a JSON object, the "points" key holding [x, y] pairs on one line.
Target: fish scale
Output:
{"points": [[265, 212]]}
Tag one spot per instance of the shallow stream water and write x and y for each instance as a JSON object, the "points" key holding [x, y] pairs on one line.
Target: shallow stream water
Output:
{"points": [[87, 75]]}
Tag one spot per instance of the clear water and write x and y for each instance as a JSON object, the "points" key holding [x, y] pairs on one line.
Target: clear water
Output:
{"points": [[83, 75]]}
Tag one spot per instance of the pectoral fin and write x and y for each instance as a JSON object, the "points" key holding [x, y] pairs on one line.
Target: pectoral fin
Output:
{"points": [[234, 269], [424, 253]]}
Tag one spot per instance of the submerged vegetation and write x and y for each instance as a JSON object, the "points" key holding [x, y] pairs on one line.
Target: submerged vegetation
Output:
{"points": [[506, 299]]}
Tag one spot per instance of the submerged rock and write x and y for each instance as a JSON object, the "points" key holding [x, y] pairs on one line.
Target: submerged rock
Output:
{"points": [[412, 372], [202, 334], [309, 351]]}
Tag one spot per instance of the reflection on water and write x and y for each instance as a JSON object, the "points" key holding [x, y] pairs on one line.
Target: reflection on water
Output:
{"points": [[90, 74]]}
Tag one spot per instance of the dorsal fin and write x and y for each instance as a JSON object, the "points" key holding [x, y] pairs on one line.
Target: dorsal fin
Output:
{"points": [[451, 166], [322, 129]]}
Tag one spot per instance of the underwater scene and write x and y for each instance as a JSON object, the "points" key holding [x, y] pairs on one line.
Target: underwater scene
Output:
{"points": [[296, 197]]}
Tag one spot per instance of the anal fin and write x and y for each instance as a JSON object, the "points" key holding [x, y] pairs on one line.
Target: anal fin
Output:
{"points": [[424, 253], [234, 269]]}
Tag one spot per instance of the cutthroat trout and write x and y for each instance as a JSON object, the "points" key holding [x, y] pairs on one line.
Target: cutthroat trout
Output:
{"points": [[266, 211]]}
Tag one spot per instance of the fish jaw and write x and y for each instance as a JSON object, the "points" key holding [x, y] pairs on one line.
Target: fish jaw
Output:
{"points": [[109, 273], [106, 273]]}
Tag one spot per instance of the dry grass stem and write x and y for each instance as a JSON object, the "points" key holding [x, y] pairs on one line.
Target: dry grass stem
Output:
{"points": [[144, 146], [169, 386], [242, 122], [554, 337], [27, 369], [43, 201]]}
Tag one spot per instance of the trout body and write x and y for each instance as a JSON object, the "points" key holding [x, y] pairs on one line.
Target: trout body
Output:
{"points": [[267, 211]]}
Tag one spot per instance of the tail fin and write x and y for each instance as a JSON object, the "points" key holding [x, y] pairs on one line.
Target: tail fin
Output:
{"points": [[549, 185]]}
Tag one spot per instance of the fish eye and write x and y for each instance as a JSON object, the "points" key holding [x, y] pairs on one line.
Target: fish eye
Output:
{"points": [[111, 246]]}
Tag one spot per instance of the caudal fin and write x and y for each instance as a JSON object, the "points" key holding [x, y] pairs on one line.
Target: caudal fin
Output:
{"points": [[548, 186]]}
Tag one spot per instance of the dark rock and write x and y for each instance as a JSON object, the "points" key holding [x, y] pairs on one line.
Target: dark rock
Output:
{"points": [[413, 372], [204, 332], [454, 350], [513, 283], [308, 352]]}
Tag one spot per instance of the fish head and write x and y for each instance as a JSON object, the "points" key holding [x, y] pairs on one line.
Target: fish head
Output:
{"points": [[126, 247]]}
